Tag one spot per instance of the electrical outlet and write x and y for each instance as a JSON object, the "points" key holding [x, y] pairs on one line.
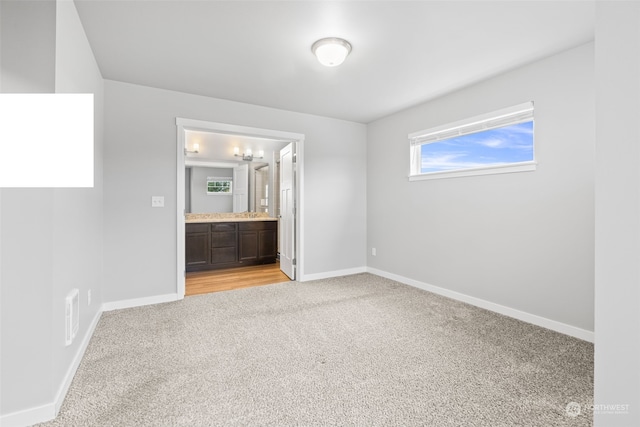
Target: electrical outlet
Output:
{"points": [[157, 201], [373, 251], [89, 297]]}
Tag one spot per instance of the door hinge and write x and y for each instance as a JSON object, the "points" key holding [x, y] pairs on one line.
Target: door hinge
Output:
{"points": [[294, 159], [294, 261]]}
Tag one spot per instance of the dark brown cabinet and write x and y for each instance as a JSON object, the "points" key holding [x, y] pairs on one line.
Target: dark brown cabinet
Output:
{"points": [[210, 246], [224, 244], [258, 241], [197, 245]]}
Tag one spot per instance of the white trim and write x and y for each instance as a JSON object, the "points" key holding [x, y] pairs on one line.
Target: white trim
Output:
{"points": [[330, 274], [208, 164], [553, 325], [504, 112], [183, 125], [139, 302], [28, 417], [181, 268], [488, 170], [49, 411], [205, 126], [71, 372], [299, 217]]}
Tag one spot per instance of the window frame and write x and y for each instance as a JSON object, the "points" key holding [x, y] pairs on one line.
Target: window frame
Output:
{"points": [[220, 179], [516, 114]]}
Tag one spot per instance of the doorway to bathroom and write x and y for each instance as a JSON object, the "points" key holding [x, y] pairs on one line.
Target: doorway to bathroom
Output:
{"points": [[250, 175]]}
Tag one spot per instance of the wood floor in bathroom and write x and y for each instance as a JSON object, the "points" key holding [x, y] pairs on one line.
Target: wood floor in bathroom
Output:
{"points": [[204, 282]]}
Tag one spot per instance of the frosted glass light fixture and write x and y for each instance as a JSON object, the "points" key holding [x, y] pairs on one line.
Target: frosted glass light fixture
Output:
{"points": [[248, 154], [331, 51]]}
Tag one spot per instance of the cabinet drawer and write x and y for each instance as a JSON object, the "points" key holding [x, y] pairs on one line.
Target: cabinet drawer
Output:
{"points": [[258, 225], [223, 255], [223, 239], [196, 228], [223, 226]]}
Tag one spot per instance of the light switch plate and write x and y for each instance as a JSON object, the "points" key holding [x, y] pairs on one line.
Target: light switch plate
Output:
{"points": [[157, 201]]}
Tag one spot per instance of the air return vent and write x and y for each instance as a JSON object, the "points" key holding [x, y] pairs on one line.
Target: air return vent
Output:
{"points": [[72, 315]]}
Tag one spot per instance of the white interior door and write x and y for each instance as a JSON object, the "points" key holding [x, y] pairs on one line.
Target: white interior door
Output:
{"points": [[287, 211], [241, 188]]}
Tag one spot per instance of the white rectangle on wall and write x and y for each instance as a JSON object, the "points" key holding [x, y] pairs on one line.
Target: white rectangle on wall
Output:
{"points": [[72, 316], [46, 140]]}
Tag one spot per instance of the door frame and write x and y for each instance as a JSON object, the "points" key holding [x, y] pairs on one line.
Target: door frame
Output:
{"points": [[182, 125]]}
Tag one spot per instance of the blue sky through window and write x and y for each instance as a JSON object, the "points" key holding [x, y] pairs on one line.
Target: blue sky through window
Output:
{"points": [[505, 145]]}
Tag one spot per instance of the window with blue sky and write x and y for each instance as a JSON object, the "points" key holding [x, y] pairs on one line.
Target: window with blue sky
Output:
{"points": [[508, 144], [497, 142]]}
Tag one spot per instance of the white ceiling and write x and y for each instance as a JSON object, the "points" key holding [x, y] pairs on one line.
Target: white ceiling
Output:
{"points": [[259, 52]]}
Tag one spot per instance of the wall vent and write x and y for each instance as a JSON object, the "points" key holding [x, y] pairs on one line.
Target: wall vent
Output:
{"points": [[72, 315]]}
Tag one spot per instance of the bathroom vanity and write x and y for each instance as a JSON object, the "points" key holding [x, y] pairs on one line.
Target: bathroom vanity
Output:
{"points": [[224, 241]]}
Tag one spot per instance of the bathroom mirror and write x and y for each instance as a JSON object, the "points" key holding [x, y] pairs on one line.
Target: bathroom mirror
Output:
{"points": [[214, 156], [206, 187]]}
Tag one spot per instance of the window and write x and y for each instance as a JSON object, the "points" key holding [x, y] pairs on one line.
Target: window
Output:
{"points": [[497, 142], [219, 185]]}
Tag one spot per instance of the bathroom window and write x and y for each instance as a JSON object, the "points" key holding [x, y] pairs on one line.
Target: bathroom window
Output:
{"points": [[498, 142], [219, 186]]}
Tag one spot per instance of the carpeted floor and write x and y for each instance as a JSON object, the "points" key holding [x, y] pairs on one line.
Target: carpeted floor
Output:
{"points": [[357, 350]]}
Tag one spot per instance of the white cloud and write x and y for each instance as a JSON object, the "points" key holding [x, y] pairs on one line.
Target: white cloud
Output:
{"points": [[449, 161], [492, 143]]}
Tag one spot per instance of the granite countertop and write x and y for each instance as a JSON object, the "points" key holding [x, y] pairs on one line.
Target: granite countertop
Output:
{"points": [[227, 217]]}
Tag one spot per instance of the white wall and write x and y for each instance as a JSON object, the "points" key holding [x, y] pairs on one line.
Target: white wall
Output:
{"points": [[32, 72], [617, 225], [51, 239], [525, 240], [26, 222], [140, 241], [77, 212]]}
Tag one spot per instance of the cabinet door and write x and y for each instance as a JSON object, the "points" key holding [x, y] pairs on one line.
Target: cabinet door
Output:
{"points": [[248, 245], [267, 244], [197, 249]]}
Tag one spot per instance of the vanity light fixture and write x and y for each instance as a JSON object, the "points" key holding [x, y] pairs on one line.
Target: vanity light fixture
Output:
{"points": [[196, 149], [331, 51], [248, 154]]}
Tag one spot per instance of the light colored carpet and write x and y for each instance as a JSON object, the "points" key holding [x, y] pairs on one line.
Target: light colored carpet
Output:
{"points": [[356, 350]]}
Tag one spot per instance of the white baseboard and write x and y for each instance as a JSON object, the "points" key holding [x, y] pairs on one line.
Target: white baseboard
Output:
{"points": [[49, 411], [139, 302], [29, 416], [330, 274], [71, 372], [563, 328]]}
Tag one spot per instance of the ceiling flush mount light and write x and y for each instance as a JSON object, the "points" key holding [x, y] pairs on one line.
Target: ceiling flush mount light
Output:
{"points": [[331, 51]]}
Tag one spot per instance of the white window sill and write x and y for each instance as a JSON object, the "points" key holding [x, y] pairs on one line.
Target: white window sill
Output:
{"points": [[489, 170]]}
